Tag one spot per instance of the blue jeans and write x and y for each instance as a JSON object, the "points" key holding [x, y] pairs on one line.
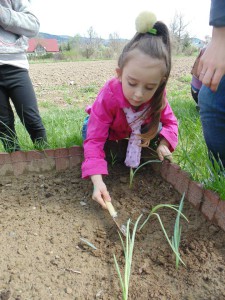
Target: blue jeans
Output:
{"points": [[84, 128], [212, 113]]}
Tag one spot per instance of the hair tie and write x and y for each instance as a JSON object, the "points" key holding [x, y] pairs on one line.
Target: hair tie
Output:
{"points": [[152, 31], [145, 22]]}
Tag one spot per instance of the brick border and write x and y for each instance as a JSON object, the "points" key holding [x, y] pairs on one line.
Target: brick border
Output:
{"points": [[206, 201], [21, 162]]}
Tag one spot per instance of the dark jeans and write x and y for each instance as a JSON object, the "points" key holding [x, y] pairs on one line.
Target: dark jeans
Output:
{"points": [[15, 84], [212, 113]]}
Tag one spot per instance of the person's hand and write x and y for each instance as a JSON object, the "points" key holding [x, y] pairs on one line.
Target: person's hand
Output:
{"points": [[163, 150], [100, 193], [211, 67]]}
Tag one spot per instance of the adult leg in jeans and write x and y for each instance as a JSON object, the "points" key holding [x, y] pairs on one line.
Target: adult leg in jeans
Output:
{"points": [[24, 99], [7, 129], [212, 113]]}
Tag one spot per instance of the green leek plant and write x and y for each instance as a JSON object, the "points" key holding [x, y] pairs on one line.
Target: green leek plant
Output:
{"points": [[128, 248], [133, 173], [177, 232], [175, 241], [113, 157]]}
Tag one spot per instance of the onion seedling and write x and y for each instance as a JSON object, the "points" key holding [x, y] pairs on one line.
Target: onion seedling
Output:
{"points": [[175, 241], [128, 248], [177, 232], [132, 172]]}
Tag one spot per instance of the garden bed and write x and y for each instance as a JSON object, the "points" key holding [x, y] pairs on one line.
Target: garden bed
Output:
{"points": [[46, 209]]}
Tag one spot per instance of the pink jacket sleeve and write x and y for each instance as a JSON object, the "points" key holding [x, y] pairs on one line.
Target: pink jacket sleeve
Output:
{"points": [[97, 133]]}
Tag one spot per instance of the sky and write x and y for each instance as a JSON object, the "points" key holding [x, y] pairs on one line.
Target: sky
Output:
{"points": [[71, 17]]}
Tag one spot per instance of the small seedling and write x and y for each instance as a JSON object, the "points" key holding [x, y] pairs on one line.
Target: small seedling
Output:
{"points": [[177, 231], [113, 158], [175, 241], [128, 248], [132, 172]]}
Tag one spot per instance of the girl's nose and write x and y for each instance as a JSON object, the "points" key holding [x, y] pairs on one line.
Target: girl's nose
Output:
{"points": [[138, 94]]}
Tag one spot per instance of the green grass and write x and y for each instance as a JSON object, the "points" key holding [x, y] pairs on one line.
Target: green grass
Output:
{"points": [[191, 154], [63, 128]]}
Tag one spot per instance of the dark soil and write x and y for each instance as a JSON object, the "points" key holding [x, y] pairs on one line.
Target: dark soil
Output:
{"points": [[45, 216]]}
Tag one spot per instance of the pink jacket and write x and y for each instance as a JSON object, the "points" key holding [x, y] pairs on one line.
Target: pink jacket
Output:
{"points": [[108, 121]]}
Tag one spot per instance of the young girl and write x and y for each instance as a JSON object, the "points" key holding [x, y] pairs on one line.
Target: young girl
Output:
{"points": [[133, 103]]}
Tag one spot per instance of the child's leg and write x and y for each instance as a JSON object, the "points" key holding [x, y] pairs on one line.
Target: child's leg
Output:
{"points": [[84, 128], [22, 94]]}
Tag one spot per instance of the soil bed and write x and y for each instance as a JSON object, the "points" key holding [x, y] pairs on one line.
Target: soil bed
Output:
{"points": [[44, 217]]}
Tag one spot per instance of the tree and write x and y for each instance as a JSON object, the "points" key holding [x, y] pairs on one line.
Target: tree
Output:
{"points": [[68, 47], [179, 33], [92, 43]]}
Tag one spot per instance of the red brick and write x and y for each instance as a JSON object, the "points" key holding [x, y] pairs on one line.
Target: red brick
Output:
{"points": [[49, 162], [182, 182], [19, 162], [18, 156], [165, 169], [210, 203], [49, 153], [172, 174], [75, 156], [195, 194], [62, 159], [219, 216], [34, 155], [5, 158], [6, 167], [20, 168]]}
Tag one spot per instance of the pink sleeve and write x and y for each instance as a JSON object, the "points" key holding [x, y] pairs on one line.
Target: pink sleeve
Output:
{"points": [[169, 126], [97, 133]]}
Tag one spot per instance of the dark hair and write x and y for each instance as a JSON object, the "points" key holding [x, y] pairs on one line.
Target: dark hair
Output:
{"points": [[157, 46]]}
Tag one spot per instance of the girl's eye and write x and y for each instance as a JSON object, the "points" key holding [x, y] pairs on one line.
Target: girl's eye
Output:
{"points": [[149, 88], [131, 83]]}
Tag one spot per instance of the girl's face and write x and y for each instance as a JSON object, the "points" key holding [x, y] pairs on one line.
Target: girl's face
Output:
{"points": [[140, 77]]}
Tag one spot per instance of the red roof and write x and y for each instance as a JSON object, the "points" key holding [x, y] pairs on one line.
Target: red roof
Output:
{"points": [[50, 45]]}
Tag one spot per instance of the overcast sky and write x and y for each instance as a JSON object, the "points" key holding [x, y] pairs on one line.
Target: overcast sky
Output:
{"points": [[71, 17]]}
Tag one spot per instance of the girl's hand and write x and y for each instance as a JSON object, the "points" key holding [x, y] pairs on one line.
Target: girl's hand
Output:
{"points": [[163, 150], [100, 193]]}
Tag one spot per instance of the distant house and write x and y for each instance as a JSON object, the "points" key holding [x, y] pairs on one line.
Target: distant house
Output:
{"points": [[38, 46], [197, 42]]}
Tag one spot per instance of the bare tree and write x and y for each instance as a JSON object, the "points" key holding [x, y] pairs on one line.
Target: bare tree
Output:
{"points": [[179, 32], [178, 26], [91, 44], [116, 44]]}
